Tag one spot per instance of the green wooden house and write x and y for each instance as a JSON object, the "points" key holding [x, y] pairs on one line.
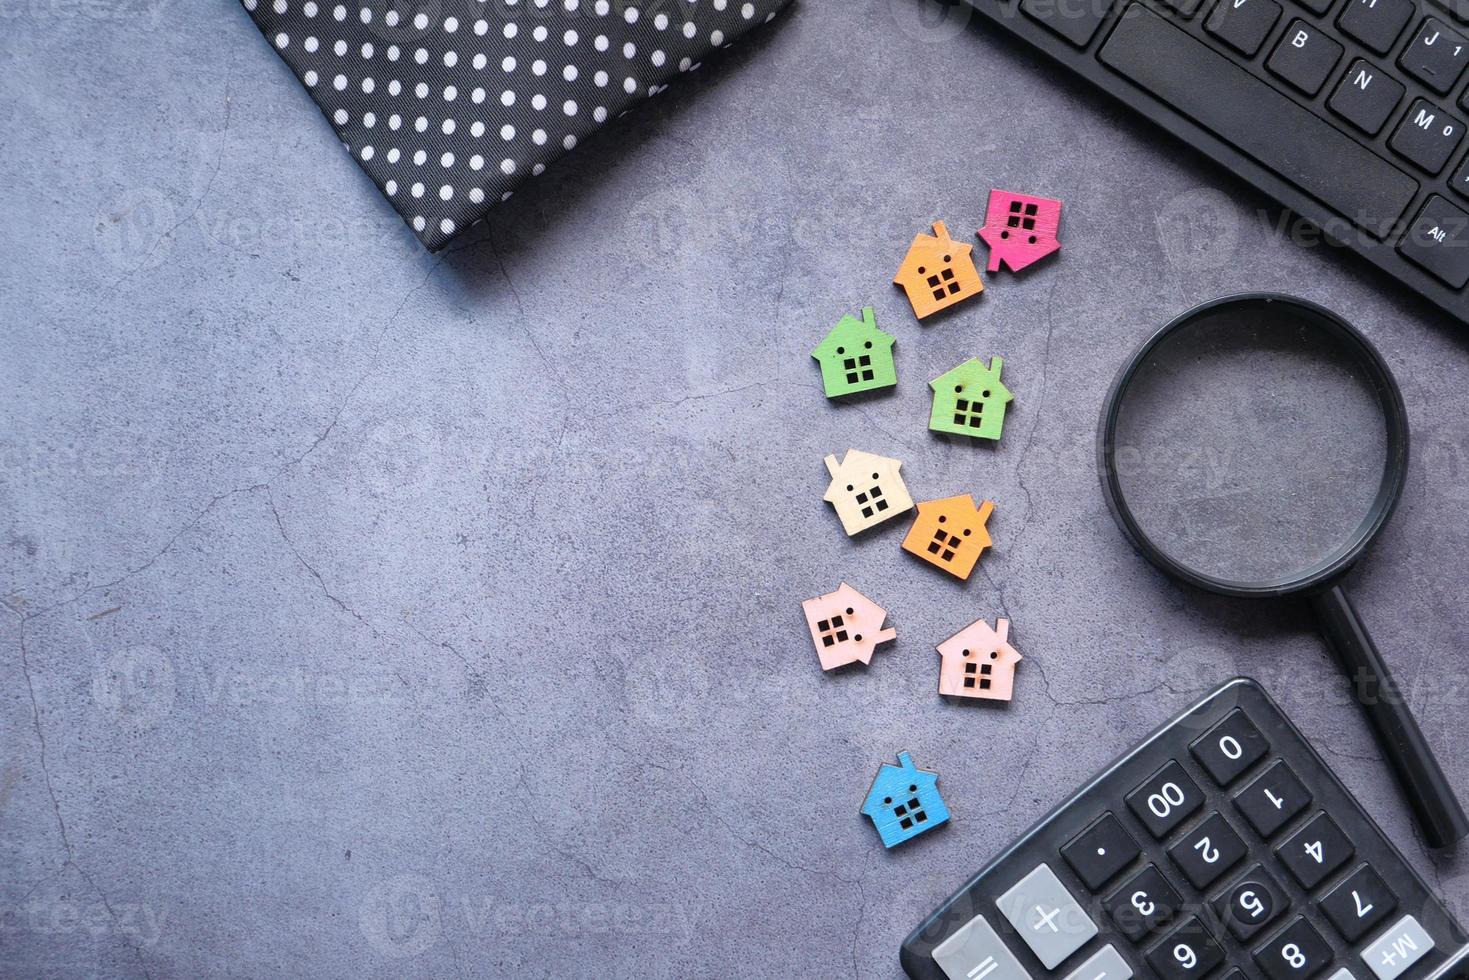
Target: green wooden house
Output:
{"points": [[970, 400], [856, 356]]}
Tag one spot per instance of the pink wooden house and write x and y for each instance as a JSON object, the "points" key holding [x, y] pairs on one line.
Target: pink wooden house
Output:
{"points": [[846, 626], [979, 662]]}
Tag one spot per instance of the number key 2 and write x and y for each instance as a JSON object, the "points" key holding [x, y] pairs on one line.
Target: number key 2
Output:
{"points": [[1166, 799], [1209, 850], [1187, 952], [1230, 747], [1295, 953], [1315, 851]]}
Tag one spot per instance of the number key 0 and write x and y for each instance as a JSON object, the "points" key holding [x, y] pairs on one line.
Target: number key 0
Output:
{"points": [[1165, 800], [1230, 747]]}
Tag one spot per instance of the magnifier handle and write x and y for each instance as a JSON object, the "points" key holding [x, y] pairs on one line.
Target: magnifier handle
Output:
{"points": [[1428, 791]]}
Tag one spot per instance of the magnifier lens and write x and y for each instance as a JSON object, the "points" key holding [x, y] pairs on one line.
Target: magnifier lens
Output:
{"points": [[1251, 445]]}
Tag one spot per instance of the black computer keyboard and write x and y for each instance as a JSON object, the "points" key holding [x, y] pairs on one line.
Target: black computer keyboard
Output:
{"points": [[1349, 112], [1220, 847]]}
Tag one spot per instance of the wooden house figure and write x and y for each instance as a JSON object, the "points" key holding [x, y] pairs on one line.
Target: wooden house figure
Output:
{"points": [[846, 627], [950, 533], [970, 400], [938, 272], [856, 356], [866, 490], [904, 801], [979, 662]]}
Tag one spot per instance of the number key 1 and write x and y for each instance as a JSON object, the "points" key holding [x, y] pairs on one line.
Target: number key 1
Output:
{"points": [[1165, 799]]}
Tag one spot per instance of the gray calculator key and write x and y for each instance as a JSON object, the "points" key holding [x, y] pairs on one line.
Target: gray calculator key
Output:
{"points": [[1397, 949], [976, 952], [1342, 974], [1050, 921], [1105, 964]]}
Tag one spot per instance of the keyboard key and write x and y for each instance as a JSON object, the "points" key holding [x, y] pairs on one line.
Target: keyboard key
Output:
{"points": [[1438, 240], [976, 952], [1207, 851], [1166, 799], [1315, 851], [1271, 800], [1295, 953], [1230, 747], [1304, 57], [1260, 121], [1436, 57], [1100, 851], [1365, 97], [1050, 921], [1243, 24], [1322, 6], [1427, 136], [1376, 23], [1106, 964], [1359, 903], [1400, 947], [1144, 902], [1187, 952], [1252, 903], [1185, 7], [1460, 180], [1075, 20]]}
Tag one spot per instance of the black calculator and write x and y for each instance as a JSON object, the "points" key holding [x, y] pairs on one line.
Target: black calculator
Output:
{"points": [[1221, 847]]}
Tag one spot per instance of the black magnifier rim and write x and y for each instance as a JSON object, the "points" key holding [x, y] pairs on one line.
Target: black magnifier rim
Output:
{"points": [[1348, 340]]}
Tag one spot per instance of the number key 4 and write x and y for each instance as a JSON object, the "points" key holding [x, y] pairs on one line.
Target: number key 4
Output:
{"points": [[1315, 851]]}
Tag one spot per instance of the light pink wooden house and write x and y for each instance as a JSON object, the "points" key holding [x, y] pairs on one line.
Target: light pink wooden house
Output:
{"points": [[979, 662], [845, 626]]}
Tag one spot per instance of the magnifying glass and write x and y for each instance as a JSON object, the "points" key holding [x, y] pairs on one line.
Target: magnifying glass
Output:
{"points": [[1254, 447]]}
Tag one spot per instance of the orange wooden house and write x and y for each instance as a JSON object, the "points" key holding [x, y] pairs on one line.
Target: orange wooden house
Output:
{"points": [[938, 272], [950, 533], [979, 662]]}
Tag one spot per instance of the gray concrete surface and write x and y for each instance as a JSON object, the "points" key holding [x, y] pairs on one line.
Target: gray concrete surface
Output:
{"points": [[372, 613]]}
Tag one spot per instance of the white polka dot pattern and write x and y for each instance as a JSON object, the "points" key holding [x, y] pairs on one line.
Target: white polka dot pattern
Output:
{"points": [[450, 105]]}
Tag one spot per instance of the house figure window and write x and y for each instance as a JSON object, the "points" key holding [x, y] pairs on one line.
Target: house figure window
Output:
{"points": [[938, 272], [1022, 217], [855, 356], [950, 533], [866, 490], [979, 662], [904, 802], [846, 627]]}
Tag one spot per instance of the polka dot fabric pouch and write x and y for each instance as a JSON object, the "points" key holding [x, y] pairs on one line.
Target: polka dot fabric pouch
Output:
{"points": [[449, 105]]}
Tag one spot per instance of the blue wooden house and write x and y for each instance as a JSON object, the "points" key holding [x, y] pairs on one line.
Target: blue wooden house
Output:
{"points": [[904, 801]]}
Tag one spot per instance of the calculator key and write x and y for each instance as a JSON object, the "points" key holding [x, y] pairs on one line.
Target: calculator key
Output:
{"points": [[1376, 23], [1315, 851], [976, 952], [1438, 240], [1106, 964], [1050, 921], [1243, 24], [1100, 851], [1359, 903], [1185, 953], [1166, 799], [1397, 949], [1294, 953], [1076, 22], [1252, 903], [1207, 851], [1365, 97], [1427, 136], [1342, 974], [1436, 56], [1230, 747], [1144, 902], [1304, 57], [1271, 800]]}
